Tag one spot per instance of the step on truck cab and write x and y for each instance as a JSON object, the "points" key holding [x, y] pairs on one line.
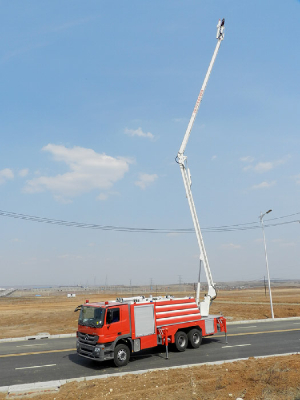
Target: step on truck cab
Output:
{"points": [[116, 329]]}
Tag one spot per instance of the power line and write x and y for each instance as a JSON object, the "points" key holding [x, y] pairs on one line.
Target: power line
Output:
{"points": [[217, 229], [75, 224]]}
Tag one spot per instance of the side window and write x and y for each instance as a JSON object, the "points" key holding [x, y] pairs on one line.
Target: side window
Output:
{"points": [[113, 315]]}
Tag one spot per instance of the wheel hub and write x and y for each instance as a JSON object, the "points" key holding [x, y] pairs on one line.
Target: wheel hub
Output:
{"points": [[122, 355]]}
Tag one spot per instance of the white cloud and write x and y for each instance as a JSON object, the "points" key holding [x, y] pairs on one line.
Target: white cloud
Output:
{"points": [[139, 132], [179, 119], [247, 159], [231, 246], [283, 243], [88, 171], [288, 244], [71, 24], [145, 180], [21, 51], [62, 199], [214, 158], [262, 167], [297, 178], [23, 172], [103, 196], [259, 240], [6, 174], [263, 185]]}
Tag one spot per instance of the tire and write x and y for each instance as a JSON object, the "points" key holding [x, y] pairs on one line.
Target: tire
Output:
{"points": [[121, 355], [195, 338], [181, 340]]}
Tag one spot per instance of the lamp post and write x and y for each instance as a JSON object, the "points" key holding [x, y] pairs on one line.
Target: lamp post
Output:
{"points": [[269, 283]]}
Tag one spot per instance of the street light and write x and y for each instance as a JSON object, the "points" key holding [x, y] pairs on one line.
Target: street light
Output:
{"points": [[262, 226]]}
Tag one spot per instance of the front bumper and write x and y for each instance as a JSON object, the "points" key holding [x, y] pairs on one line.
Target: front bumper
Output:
{"points": [[98, 351]]}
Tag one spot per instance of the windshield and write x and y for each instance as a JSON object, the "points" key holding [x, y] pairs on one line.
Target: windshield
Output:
{"points": [[91, 316]]}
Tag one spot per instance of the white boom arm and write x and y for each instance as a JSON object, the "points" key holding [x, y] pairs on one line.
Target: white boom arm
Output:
{"points": [[182, 161]]}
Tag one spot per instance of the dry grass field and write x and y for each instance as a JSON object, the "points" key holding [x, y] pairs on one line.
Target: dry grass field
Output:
{"points": [[25, 314]]}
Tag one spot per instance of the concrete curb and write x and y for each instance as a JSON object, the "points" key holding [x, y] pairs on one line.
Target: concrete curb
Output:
{"points": [[250, 321], [55, 385], [40, 336]]}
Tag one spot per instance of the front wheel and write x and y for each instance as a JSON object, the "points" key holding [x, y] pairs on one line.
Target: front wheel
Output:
{"points": [[181, 340], [195, 338], [121, 355]]}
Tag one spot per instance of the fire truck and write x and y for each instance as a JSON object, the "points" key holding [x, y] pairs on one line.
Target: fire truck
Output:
{"points": [[116, 329]]}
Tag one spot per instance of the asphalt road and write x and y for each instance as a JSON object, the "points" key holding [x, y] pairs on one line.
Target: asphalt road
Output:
{"points": [[54, 359]]}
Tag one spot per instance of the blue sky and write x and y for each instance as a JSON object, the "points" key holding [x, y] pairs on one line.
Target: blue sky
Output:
{"points": [[95, 100]]}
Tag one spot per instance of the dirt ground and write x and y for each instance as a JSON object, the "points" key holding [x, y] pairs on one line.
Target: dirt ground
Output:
{"points": [[275, 378], [25, 314]]}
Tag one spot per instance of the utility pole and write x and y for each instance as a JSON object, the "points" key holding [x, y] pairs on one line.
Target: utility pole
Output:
{"points": [[267, 265], [180, 282]]}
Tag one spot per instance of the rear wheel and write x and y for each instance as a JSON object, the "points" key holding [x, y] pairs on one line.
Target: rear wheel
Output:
{"points": [[121, 355], [195, 338], [181, 340]]}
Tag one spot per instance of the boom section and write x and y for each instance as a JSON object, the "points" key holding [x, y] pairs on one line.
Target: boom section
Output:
{"points": [[220, 37], [182, 161]]}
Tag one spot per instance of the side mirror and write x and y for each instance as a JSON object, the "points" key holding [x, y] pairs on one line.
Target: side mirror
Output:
{"points": [[78, 308]]}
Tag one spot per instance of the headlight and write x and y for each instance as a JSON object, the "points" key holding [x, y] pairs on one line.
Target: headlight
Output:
{"points": [[97, 351]]}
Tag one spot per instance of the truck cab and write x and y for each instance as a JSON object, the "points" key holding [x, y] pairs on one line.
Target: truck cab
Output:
{"points": [[100, 327]]}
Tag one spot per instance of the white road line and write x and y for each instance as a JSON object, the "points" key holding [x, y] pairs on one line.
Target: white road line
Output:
{"points": [[246, 327], [296, 323], [31, 345], [37, 366], [237, 345]]}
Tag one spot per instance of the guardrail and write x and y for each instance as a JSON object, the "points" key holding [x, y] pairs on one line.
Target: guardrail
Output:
{"points": [[7, 292]]}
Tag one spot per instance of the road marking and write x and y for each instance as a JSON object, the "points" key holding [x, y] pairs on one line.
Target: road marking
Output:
{"points": [[36, 352], [216, 336], [31, 345], [247, 327], [296, 323], [257, 333], [37, 366], [236, 345]]}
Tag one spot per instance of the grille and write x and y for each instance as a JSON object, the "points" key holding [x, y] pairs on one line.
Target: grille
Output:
{"points": [[87, 339], [86, 350]]}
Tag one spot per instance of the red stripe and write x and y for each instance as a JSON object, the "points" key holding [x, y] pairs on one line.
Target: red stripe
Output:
{"points": [[175, 307], [170, 321], [176, 314], [177, 301]]}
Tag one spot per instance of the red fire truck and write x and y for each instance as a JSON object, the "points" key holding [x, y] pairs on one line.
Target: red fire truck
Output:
{"points": [[115, 329]]}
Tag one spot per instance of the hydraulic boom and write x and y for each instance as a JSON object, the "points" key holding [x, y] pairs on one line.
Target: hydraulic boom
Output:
{"points": [[182, 161]]}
